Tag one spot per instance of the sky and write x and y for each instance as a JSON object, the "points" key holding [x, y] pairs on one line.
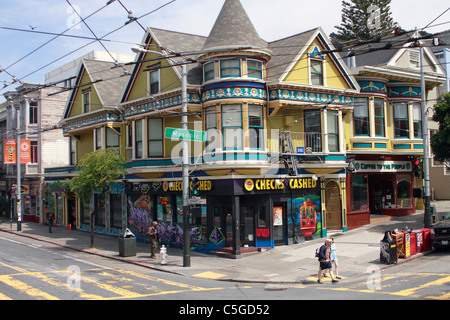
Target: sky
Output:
{"points": [[273, 20]]}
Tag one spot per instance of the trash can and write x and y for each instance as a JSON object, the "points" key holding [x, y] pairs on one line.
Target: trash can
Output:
{"points": [[419, 240], [127, 244], [426, 239], [388, 249]]}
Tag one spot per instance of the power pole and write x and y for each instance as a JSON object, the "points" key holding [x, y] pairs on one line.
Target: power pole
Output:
{"points": [[426, 172], [19, 182], [185, 173]]}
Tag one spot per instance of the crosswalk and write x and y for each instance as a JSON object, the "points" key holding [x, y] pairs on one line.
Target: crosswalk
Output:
{"points": [[428, 285], [90, 284]]}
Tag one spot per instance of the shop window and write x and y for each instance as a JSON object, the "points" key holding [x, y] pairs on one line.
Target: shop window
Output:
{"points": [[209, 71], [379, 117], [361, 124], [115, 207], [255, 124], [85, 212], [99, 207], [232, 127], [230, 68], [404, 199], [263, 219], [360, 199], [333, 131], [254, 69], [401, 120], [155, 138], [164, 209], [417, 118]]}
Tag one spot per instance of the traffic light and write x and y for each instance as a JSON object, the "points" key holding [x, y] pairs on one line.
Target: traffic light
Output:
{"points": [[416, 168], [195, 186]]}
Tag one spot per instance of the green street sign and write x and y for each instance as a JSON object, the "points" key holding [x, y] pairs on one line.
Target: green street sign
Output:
{"points": [[181, 134]]}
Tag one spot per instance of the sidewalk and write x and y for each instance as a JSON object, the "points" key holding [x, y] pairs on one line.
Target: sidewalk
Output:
{"points": [[357, 250]]}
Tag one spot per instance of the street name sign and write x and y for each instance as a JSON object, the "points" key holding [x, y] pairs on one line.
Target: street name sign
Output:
{"points": [[182, 134]]}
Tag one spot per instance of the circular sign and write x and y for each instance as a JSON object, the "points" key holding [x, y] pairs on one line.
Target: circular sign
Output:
{"points": [[249, 185]]}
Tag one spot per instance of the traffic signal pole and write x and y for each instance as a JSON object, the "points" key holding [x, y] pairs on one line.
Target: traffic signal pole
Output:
{"points": [[426, 172]]}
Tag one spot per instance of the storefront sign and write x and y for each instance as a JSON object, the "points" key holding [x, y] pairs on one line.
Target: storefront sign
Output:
{"points": [[205, 185], [382, 166], [279, 184], [263, 233]]}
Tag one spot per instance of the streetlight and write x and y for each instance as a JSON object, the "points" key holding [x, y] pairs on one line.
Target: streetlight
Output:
{"points": [[185, 159]]}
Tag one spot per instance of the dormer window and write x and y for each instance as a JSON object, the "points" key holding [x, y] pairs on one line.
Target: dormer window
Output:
{"points": [[86, 96]]}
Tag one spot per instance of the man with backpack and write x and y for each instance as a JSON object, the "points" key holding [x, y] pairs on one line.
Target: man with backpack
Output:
{"points": [[325, 261]]}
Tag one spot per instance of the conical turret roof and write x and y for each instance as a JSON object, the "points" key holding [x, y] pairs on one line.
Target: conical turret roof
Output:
{"points": [[233, 29]]}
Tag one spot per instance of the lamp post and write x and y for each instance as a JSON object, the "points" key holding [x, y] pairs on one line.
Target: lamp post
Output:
{"points": [[185, 160]]}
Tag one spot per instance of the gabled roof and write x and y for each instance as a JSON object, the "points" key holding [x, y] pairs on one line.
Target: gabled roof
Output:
{"points": [[288, 51], [108, 79], [233, 28]]}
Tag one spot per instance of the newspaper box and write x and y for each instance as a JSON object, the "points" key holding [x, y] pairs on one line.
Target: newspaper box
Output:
{"points": [[426, 239], [398, 238], [413, 242], [419, 239]]}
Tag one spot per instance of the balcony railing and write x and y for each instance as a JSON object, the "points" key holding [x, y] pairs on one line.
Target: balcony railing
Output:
{"points": [[300, 142]]}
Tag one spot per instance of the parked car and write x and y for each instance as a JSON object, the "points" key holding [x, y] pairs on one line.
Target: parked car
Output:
{"points": [[440, 233]]}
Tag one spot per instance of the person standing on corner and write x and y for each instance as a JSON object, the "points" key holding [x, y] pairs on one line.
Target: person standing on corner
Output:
{"points": [[153, 233], [325, 261], [50, 217]]}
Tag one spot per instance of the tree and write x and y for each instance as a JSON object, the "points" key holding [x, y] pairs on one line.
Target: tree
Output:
{"points": [[440, 142], [98, 170], [364, 20]]}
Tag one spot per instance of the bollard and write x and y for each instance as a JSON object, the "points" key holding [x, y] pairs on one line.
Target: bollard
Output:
{"points": [[163, 254]]}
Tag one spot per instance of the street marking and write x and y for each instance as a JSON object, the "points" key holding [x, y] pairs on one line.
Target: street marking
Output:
{"points": [[25, 288], [3, 297], [209, 275], [411, 291]]}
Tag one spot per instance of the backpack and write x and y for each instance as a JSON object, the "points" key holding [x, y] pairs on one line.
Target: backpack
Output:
{"points": [[318, 251]]}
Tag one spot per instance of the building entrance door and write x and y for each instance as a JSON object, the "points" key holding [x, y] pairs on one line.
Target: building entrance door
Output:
{"points": [[247, 225], [279, 224], [333, 206]]}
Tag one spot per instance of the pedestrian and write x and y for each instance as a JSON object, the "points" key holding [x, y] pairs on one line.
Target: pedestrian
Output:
{"points": [[50, 218], [334, 259], [153, 233], [325, 261]]}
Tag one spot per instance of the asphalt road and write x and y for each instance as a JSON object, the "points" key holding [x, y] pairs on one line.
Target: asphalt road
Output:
{"points": [[33, 270]]}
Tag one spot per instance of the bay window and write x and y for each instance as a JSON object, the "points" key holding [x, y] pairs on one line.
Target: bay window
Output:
{"points": [[333, 130], [232, 127], [417, 118], [379, 117], [401, 120], [230, 68], [255, 126], [361, 124], [155, 137]]}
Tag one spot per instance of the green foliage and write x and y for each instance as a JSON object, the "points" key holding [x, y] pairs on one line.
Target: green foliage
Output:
{"points": [[360, 22], [440, 142], [97, 171]]}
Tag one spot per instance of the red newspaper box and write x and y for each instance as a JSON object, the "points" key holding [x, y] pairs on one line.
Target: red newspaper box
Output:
{"points": [[419, 240], [426, 239], [413, 242]]}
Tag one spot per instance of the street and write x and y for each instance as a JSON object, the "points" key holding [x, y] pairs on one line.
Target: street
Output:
{"points": [[33, 270]]}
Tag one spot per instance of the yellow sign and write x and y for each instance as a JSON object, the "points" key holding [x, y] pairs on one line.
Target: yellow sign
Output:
{"points": [[205, 185], [307, 183]]}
